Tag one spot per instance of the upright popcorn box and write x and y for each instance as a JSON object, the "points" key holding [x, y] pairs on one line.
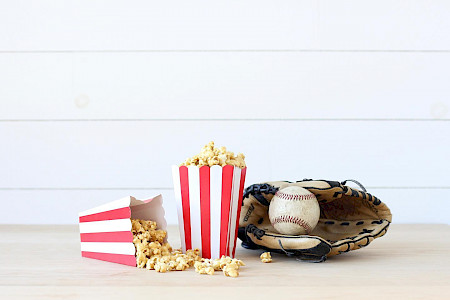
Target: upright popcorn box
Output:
{"points": [[105, 231], [209, 201]]}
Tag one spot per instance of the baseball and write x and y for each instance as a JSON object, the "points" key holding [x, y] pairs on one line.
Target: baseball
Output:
{"points": [[294, 210]]}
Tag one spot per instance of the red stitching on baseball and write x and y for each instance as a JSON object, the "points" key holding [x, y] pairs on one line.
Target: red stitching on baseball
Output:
{"points": [[294, 197], [291, 219]]}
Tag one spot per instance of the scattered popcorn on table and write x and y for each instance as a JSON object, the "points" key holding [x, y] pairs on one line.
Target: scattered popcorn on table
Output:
{"points": [[210, 156], [153, 254], [203, 268], [228, 265], [266, 257]]}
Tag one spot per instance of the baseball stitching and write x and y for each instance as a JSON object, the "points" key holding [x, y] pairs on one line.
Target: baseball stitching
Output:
{"points": [[291, 219], [294, 197]]}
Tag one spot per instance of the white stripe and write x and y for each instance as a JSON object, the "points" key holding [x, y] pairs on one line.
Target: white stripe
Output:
{"points": [[233, 208], [194, 203], [124, 202], [216, 200], [106, 226], [114, 248], [177, 191]]}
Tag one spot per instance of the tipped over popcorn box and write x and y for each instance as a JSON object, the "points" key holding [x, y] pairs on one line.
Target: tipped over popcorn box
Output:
{"points": [[209, 200], [105, 230]]}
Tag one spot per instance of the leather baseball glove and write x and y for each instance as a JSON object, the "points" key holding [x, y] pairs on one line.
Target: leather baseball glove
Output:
{"points": [[349, 219]]}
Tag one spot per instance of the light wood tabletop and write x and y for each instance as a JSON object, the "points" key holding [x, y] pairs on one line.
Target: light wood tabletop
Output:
{"points": [[44, 262]]}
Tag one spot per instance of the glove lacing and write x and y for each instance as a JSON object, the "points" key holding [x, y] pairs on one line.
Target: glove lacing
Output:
{"points": [[354, 181]]}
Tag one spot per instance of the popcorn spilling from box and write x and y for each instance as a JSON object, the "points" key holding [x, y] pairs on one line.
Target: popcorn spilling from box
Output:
{"points": [[105, 231], [124, 232], [153, 253]]}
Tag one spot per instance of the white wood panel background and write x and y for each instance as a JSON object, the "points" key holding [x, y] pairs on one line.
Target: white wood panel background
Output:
{"points": [[99, 98], [140, 154], [99, 25], [228, 85]]}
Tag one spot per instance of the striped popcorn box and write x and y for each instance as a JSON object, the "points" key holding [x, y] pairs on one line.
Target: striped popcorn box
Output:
{"points": [[105, 231], [209, 201]]}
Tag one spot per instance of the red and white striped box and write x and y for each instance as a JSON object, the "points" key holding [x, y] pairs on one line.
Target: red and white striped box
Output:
{"points": [[105, 231], [209, 201]]}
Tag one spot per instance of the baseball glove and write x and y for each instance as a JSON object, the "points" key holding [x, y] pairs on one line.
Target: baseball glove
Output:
{"points": [[349, 219]]}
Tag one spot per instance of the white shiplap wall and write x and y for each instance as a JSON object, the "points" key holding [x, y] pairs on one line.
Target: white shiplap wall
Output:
{"points": [[99, 98]]}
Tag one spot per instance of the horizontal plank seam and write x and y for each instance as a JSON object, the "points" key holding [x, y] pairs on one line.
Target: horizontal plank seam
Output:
{"points": [[170, 188], [230, 120], [232, 51]]}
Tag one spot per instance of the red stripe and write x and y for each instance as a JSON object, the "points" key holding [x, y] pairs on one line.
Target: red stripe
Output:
{"points": [[117, 236], [124, 259], [241, 192], [184, 183], [119, 213], [227, 183], [205, 209]]}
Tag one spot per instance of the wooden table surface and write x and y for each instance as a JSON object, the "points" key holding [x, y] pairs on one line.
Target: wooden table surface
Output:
{"points": [[44, 262]]}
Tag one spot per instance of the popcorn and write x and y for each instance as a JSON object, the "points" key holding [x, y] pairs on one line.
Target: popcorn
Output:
{"points": [[200, 268], [151, 263], [151, 251], [181, 266], [153, 254], [266, 257], [161, 267], [231, 270], [210, 156], [205, 270], [216, 265]]}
